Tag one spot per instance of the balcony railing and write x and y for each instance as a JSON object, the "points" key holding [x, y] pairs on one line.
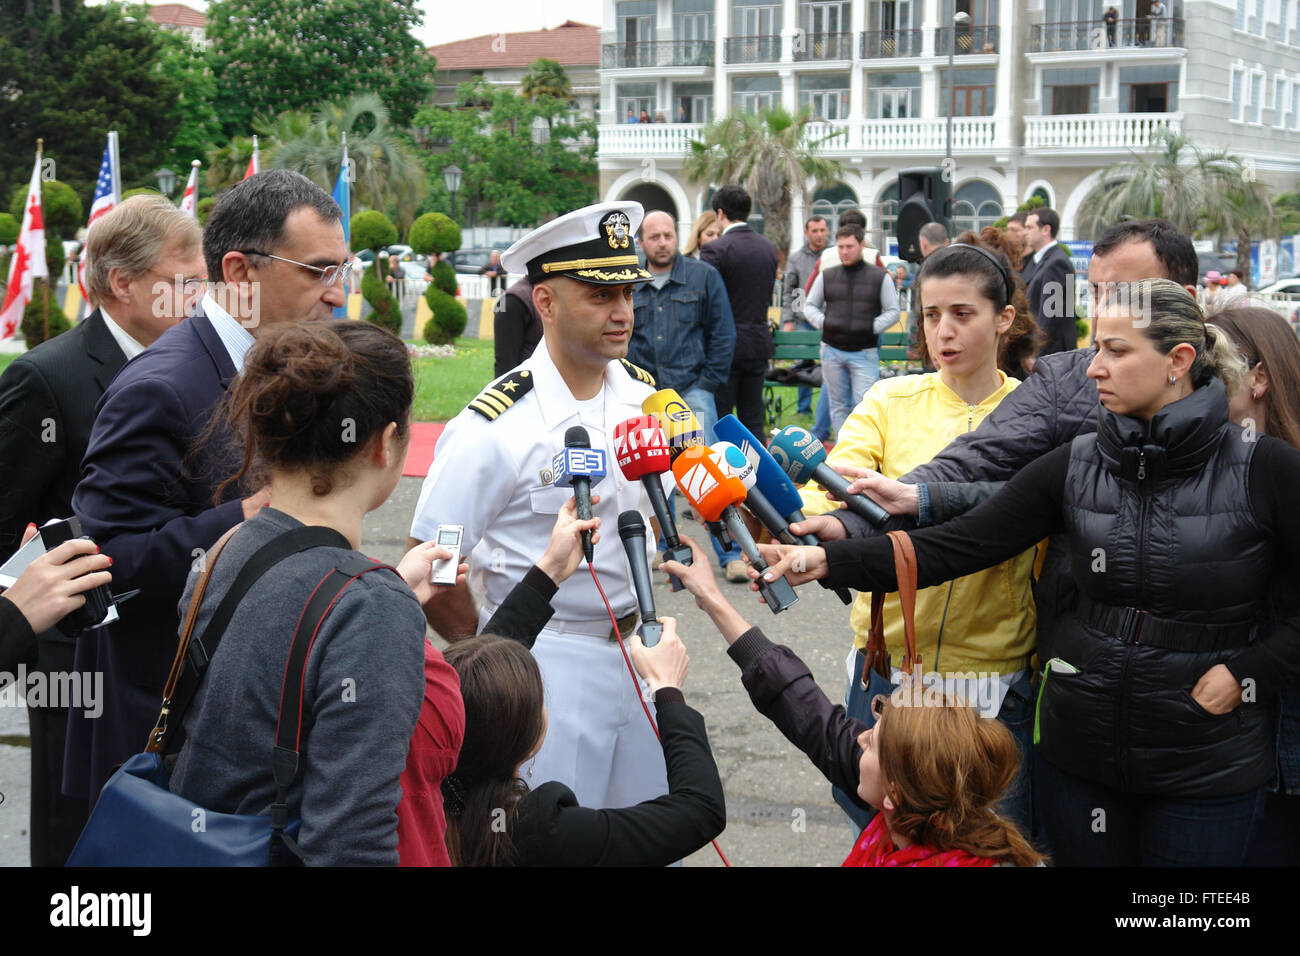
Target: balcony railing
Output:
{"points": [[764, 49], [1095, 35], [970, 40], [884, 136], [617, 56], [1083, 131], [882, 44], [823, 46]]}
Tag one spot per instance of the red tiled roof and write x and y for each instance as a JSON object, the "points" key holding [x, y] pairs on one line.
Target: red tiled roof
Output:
{"points": [[571, 43], [177, 14]]}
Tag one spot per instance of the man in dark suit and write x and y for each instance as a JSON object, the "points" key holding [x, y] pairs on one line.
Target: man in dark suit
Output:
{"points": [[748, 264], [153, 467], [1048, 275], [140, 254]]}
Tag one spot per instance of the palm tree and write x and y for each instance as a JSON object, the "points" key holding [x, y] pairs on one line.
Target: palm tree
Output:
{"points": [[545, 78], [771, 154], [1179, 181], [388, 173]]}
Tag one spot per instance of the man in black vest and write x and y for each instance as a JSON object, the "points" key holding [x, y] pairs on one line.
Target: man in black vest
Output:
{"points": [[144, 268], [851, 303]]}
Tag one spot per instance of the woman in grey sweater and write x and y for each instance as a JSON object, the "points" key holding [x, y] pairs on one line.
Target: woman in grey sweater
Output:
{"points": [[323, 412]]}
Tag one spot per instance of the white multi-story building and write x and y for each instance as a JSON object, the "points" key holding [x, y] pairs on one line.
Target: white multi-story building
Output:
{"points": [[1045, 94]]}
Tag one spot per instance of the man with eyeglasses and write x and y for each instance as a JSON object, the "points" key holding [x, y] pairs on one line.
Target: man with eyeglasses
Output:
{"points": [[145, 268], [274, 244]]}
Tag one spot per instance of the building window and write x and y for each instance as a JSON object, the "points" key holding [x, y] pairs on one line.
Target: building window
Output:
{"points": [[636, 21], [1257, 97], [973, 92], [752, 94], [1239, 16], [1070, 11], [693, 21], [893, 95], [1149, 89], [693, 102], [634, 99], [1295, 105], [826, 95], [1258, 17], [1236, 95], [1279, 101], [975, 205], [889, 213], [755, 18], [1067, 92]]}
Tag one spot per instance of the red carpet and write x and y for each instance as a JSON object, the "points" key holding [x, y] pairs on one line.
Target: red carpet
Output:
{"points": [[424, 435]]}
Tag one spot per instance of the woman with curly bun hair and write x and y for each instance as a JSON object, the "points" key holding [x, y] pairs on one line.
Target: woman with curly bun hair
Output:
{"points": [[322, 411]]}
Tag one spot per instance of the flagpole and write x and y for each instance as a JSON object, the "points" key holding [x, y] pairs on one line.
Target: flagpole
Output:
{"points": [[117, 167], [45, 298], [257, 163]]}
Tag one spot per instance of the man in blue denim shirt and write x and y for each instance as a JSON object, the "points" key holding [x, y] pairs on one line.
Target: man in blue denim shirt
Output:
{"points": [[683, 333]]}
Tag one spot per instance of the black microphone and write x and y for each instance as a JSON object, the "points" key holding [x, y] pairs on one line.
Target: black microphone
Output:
{"points": [[771, 519], [579, 466], [632, 530]]}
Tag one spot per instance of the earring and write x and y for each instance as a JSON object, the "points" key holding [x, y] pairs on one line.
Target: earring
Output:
{"points": [[1172, 379]]}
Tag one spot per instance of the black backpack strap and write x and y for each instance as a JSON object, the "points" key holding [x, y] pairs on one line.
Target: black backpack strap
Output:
{"points": [[203, 647], [288, 728]]}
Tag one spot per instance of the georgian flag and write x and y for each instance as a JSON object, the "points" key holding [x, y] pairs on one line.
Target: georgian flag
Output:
{"points": [[28, 260], [105, 201], [254, 167], [190, 201]]}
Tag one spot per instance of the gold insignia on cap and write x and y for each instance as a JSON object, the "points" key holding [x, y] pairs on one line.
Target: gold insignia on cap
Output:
{"points": [[588, 264], [638, 373], [605, 275], [618, 230]]}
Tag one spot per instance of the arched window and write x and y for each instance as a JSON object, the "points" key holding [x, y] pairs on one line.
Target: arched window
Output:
{"points": [[889, 211], [830, 202], [976, 205]]}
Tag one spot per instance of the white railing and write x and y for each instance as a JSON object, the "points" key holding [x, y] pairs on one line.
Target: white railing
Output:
{"points": [[969, 134], [1097, 130], [474, 286], [648, 139]]}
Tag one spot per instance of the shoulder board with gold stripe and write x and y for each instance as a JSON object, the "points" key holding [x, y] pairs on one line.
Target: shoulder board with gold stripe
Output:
{"points": [[502, 393], [638, 373]]}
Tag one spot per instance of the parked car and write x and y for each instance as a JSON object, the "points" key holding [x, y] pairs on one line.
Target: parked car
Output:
{"points": [[470, 261]]}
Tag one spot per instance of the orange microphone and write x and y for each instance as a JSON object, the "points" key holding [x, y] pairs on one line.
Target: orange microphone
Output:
{"points": [[703, 477]]}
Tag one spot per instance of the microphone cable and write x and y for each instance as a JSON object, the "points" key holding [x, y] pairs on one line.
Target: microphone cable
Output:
{"points": [[636, 681]]}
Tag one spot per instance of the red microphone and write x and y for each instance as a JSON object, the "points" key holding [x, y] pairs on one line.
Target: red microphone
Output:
{"points": [[643, 455], [711, 488]]}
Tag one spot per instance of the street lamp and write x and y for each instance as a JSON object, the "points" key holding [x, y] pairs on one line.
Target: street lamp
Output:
{"points": [[451, 179], [166, 181], [959, 19]]}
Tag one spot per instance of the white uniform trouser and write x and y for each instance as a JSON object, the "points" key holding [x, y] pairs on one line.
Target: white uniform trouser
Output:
{"points": [[598, 741]]}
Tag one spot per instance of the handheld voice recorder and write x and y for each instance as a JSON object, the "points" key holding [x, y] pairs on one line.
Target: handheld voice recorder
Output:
{"points": [[444, 572]]}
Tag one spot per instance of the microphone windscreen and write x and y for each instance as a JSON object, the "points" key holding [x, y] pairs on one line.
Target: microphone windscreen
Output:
{"points": [[736, 462], [797, 452], [679, 423], [773, 482], [706, 484], [630, 525], [576, 437], [641, 448]]}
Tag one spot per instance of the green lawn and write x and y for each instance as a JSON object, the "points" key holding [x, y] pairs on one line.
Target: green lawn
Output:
{"points": [[444, 386]]}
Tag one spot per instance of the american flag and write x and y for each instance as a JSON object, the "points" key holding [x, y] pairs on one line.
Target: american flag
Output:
{"points": [[105, 202]]}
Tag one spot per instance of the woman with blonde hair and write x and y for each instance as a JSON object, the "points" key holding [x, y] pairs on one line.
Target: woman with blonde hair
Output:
{"points": [[1155, 711], [704, 231]]}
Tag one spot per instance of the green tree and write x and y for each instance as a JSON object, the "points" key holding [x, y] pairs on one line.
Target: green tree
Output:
{"points": [[1287, 209], [546, 78], [1177, 181], [72, 77], [227, 163], [273, 55], [434, 233], [510, 176], [1033, 202], [61, 208], [9, 229], [372, 230], [772, 154], [389, 174], [192, 112]]}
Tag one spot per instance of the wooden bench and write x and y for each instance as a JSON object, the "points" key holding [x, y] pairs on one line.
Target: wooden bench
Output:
{"points": [[791, 347]]}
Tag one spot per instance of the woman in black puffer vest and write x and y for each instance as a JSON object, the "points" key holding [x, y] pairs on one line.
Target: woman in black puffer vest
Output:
{"points": [[1154, 719]]}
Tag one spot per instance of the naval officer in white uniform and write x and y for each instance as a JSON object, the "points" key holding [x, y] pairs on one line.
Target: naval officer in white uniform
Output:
{"points": [[492, 474]]}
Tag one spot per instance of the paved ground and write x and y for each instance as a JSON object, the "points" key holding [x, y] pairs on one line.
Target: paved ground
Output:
{"points": [[779, 808]]}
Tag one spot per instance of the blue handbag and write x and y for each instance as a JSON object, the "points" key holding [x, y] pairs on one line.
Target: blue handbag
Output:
{"points": [[137, 821], [872, 673]]}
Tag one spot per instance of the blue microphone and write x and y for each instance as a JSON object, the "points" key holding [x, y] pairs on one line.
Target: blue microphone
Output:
{"points": [[579, 466], [774, 500], [803, 458]]}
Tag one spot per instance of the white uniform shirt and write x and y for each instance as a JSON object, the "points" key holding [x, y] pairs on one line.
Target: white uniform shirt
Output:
{"points": [[488, 477]]}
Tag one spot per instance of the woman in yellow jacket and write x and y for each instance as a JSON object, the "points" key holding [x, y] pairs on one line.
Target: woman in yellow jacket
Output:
{"points": [[975, 633]]}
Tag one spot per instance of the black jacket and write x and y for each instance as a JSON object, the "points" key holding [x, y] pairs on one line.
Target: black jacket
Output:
{"points": [[551, 829], [1049, 289], [747, 262], [47, 403]]}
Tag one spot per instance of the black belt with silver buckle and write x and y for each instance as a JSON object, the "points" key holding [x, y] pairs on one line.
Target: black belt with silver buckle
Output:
{"points": [[626, 625]]}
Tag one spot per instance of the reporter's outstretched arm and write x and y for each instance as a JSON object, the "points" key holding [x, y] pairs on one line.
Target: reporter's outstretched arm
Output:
{"points": [[703, 585], [527, 608]]}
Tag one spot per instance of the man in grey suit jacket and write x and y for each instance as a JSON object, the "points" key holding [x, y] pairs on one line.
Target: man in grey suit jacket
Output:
{"points": [[142, 257]]}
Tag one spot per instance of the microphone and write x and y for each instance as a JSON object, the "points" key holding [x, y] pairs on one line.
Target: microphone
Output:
{"points": [[804, 459], [632, 530], [713, 491], [642, 453], [679, 423], [773, 487], [579, 466]]}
